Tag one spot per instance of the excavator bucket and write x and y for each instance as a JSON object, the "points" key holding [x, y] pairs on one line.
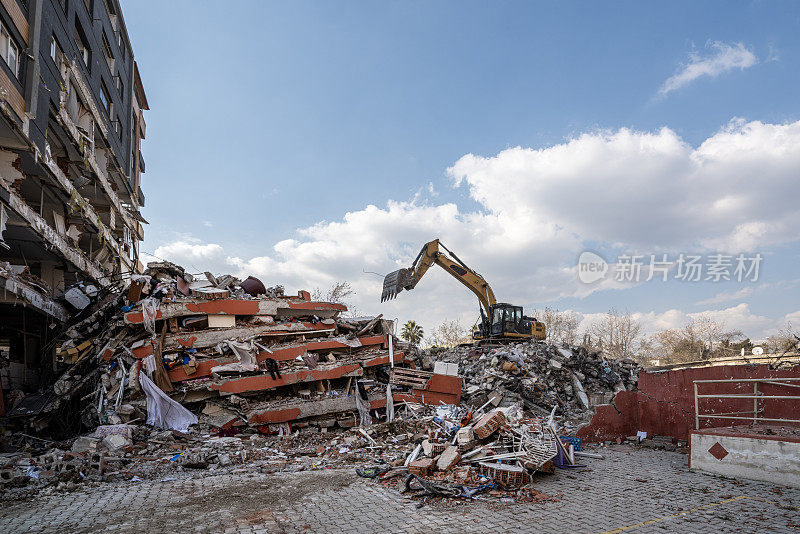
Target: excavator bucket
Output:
{"points": [[394, 283]]}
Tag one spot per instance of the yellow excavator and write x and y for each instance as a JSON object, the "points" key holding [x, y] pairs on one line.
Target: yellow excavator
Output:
{"points": [[499, 321]]}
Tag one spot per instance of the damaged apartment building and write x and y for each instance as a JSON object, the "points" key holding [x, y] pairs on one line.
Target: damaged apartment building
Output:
{"points": [[71, 125]]}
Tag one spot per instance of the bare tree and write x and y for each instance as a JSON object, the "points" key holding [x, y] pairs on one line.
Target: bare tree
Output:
{"points": [[338, 293], [618, 335], [674, 345], [708, 331], [787, 339], [702, 338], [731, 343], [449, 334], [561, 327]]}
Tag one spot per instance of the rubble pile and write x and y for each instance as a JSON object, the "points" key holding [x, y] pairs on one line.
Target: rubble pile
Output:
{"points": [[177, 375], [223, 354], [464, 452], [539, 375], [202, 360], [452, 452]]}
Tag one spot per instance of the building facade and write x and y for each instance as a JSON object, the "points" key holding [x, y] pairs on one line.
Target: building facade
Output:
{"points": [[71, 125]]}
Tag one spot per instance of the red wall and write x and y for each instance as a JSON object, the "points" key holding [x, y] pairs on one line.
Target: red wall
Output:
{"points": [[664, 404]]}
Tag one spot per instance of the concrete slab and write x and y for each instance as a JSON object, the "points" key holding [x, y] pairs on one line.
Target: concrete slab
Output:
{"points": [[741, 453]]}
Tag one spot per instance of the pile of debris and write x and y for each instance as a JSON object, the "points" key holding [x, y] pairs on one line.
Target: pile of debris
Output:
{"points": [[176, 374], [446, 452], [539, 376], [235, 353], [464, 452], [223, 356]]}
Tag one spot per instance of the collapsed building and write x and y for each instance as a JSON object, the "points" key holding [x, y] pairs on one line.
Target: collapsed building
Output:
{"points": [[179, 371], [214, 366], [237, 353], [71, 126]]}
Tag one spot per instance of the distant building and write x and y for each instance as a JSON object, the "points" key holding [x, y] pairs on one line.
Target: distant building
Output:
{"points": [[71, 125]]}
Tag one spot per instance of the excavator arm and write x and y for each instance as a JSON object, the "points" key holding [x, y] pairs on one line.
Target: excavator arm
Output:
{"points": [[407, 279]]}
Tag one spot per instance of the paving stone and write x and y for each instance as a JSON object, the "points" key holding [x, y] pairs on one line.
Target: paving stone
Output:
{"points": [[607, 497]]}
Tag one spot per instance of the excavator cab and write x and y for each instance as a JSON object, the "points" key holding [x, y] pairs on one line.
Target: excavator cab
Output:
{"points": [[508, 321], [506, 318]]}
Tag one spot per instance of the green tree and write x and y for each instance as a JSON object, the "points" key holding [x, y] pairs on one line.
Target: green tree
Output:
{"points": [[412, 333]]}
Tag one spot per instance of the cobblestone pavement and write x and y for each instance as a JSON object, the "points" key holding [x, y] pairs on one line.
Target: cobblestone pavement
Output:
{"points": [[639, 491]]}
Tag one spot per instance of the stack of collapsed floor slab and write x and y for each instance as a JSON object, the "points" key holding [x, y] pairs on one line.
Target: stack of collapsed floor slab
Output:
{"points": [[235, 353]]}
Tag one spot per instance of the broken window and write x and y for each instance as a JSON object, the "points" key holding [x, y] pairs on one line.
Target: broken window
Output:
{"points": [[9, 50], [80, 42]]}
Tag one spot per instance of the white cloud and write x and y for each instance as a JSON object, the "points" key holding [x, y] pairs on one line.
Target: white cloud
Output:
{"points": [[649, 189], [727, 296], [539, 208], [190, 253], [793, 318], [721, 58]]}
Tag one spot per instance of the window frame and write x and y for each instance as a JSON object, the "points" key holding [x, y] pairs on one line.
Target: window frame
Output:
{"points": [[10, 45], [83, 47], [105, 99], [56, 52], [107, 52], [113, 18]]}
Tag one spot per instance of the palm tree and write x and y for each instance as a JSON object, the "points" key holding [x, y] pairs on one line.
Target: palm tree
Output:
{"points": [[412, 332]]}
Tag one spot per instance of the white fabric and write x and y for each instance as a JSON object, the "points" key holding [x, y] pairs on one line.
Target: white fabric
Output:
{"points": [[163, 412], [363, 410], [149, 364], [121, 374], [149, 312], [244, 352], [389, 404]]}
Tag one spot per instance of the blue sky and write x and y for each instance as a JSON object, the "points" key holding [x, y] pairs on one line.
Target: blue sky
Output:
{"points": [[271, 122]]}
